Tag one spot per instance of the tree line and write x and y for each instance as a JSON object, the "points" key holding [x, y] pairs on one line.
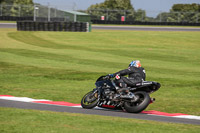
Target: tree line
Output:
{"points": [[114, 9], [111, 9], [17, 7], [25, 8], [182, 13]]}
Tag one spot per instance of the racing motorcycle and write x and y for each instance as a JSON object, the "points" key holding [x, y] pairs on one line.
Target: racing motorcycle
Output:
{"points": [[131, 99]]}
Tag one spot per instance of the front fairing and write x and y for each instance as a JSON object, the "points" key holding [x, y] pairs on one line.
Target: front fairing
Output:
{"points": [[99, 84], [105, 84], [101, 78]]}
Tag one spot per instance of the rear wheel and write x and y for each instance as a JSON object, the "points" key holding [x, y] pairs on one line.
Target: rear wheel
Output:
{"points": [[90, 100], [140, 105]]}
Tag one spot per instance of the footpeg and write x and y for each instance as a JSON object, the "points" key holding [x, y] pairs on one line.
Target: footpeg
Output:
{"points": [[152, 100]]}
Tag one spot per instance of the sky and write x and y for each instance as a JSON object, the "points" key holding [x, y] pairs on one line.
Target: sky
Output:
{"points": [[150, 6]]}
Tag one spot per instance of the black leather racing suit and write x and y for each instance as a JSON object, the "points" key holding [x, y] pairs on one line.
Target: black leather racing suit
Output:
{"points": [[135, 75]]}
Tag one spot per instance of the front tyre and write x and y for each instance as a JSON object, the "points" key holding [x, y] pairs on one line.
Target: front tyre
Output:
{"points": [[140, 105], [90, 100]]}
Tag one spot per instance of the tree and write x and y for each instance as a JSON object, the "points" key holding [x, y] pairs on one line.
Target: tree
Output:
{"points": [[181, 13], [17, 7], [140, 15], [6, 1], [113, 9], [187, 12], [186, 7]]}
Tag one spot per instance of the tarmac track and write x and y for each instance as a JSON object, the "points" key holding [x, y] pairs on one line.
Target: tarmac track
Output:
{"points": [[8, 25], [129, 28], [114, 113], [145, 28]]}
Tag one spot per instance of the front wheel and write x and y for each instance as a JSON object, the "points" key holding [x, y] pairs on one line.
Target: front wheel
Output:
{"points": [[140, 105], [90, 100]]}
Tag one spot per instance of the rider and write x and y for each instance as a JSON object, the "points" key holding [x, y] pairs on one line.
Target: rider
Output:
{"points": [[136, 74]]}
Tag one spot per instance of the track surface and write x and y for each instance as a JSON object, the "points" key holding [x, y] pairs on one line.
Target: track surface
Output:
{"points": [[56, 108], [8, 25], [145, 28], [134, 28]]}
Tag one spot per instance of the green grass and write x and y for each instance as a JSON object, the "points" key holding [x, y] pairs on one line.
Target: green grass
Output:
{"points": [[63, 66], [25, 121], [7, 21]]}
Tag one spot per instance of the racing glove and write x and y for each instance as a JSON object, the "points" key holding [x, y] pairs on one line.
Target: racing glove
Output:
{"points": [[111, 75]]}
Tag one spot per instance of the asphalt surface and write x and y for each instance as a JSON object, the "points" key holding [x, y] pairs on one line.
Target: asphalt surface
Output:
{"points": [[56, 108], [134, 28], [8, 25], [145, 28]]}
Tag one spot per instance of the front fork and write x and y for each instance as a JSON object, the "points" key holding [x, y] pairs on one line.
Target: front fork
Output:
{"points": [[97, 93]]}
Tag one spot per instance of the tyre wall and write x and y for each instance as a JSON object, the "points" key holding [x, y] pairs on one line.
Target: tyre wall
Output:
{"points": [[144, 23], [52, 26]]}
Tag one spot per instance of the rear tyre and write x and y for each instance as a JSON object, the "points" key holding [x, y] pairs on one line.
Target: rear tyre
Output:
{"points": [[140, 105], [89, 101]]}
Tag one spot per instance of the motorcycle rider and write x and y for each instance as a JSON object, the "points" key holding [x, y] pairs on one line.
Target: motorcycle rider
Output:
{"points": [[136, 74]]}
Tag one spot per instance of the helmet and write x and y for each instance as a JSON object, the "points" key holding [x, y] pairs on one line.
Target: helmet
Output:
{"points": [[135, 63]]}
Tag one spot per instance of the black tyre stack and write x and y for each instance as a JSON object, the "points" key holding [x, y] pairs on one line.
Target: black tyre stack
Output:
{"points": [[51, 26]]}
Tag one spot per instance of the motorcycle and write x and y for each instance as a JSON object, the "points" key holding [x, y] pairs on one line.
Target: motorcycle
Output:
{"points": [[131, 99]]}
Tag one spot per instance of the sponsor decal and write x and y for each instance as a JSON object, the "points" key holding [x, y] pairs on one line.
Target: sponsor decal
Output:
{"points": [[117, 77]]}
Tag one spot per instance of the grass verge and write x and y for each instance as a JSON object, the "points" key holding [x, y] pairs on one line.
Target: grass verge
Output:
{"points": [[63, 66], [7, 21], [23, 121]]}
